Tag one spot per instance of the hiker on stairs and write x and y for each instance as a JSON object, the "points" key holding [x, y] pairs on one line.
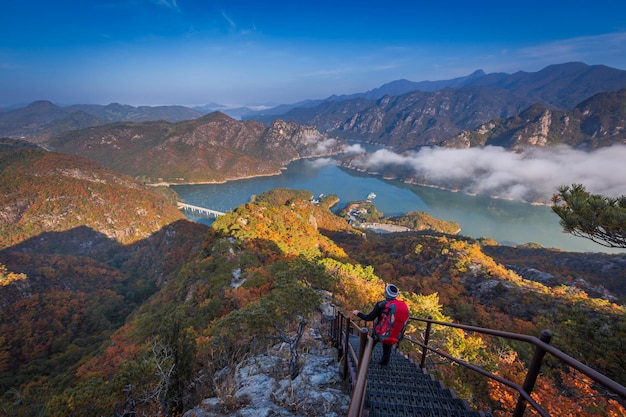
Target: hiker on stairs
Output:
{"points": [[390, 317]]}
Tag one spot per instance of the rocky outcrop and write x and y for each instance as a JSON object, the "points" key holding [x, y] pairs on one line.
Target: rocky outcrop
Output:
{"points": [[260, 386], [421, 119], [596, 122]]}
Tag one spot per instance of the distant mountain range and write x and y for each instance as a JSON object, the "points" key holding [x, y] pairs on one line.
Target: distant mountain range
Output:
{"points": [[212, 148], [41, 120], [573, 103], [560, 86], [594, 123], [406, 115]]}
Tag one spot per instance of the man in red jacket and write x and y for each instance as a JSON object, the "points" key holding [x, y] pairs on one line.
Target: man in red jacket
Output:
{"points": [[390, 317]]}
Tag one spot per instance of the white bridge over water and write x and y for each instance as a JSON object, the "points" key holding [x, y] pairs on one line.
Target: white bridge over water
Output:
{"points": [[200, 210]]}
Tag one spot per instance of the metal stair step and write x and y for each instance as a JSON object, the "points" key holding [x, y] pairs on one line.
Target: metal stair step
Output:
{"points": [[426, 391], [377, 371], [374, 400], [401, 410], [402, 384], [400, 388]]}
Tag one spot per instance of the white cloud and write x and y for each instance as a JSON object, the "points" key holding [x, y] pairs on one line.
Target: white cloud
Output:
{"points": [[581, 48], [230, 21], [497, 172], [321, 162], [325, 144], [354, 149]]}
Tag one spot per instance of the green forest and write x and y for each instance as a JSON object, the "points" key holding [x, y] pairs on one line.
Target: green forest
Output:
{"points": [[104, 285]]}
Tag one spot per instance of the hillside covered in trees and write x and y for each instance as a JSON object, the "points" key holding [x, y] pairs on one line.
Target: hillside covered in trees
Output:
{"points": [[51, 192], [211, 148], [81, 247], [97, 322], [111, 302]]}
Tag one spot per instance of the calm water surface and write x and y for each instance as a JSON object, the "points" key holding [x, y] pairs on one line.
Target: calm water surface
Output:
{"points": [[507, 222]]}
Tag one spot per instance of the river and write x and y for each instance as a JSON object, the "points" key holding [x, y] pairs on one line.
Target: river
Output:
{"points": [[508, 222]]}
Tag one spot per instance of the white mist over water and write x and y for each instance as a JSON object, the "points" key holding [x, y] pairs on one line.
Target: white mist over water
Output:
{"points": [[494, 171], [507, 221]]}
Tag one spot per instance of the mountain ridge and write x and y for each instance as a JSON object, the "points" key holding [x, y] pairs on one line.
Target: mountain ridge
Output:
{"points": [[40, 120], [559, 85], [596, 122], [433, 119], [30, 205], [212, 148]]}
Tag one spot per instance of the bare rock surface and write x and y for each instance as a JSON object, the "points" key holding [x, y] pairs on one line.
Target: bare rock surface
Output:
{"points": [[260, 386]]}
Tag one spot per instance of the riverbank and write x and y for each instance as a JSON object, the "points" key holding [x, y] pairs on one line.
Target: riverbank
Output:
{"points": [[413, 181], [507, 222], [169, 184], [243, 177]]}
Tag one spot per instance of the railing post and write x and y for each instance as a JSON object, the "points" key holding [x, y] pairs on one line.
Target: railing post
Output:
{"points": [[426, 339], [346, 349], [338, 339], [533, 372]]}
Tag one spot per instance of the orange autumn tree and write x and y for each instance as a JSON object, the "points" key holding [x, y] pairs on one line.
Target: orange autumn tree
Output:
{"points": [[562, 392]]}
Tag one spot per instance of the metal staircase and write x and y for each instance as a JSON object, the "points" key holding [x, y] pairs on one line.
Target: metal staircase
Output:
{"points": [[401, 388]]}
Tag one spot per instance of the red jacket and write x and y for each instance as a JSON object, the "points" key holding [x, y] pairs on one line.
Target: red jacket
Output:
{"points": [[391, 317]]}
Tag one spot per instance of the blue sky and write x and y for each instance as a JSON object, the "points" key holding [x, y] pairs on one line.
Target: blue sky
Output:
{"points": [[192, 52]]}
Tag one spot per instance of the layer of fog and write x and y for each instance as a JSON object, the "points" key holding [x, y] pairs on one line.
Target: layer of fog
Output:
{"points": [[324, 145], [533, 176]]}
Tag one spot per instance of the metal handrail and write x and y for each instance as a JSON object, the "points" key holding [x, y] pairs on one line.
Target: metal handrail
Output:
{"points": [[542, 347], [488, 374], [360, 387], [343, 328]]}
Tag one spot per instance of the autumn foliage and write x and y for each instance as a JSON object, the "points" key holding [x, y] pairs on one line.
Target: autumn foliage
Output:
{"points": [[142, 324]]}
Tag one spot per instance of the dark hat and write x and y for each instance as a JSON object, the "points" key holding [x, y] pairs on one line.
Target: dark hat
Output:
{"points": [[391, 291]]}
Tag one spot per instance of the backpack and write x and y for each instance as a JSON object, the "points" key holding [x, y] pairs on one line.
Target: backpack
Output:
{"points": [[390, 326]]}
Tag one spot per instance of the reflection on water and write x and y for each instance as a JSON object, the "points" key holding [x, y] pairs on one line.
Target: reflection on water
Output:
{"points": [[508, 222]]}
